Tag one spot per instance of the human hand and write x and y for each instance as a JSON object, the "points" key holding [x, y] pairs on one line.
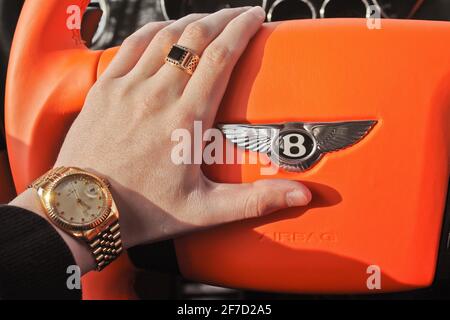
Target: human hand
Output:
{"points": [[123, 132]]}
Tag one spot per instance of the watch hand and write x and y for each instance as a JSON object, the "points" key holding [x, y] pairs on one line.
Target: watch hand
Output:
{"points": [[79, 201], [84, 204], [75, 191]]}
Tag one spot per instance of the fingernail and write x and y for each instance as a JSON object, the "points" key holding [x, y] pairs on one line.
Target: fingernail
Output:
{"points": [[259, 12], [297, 198]]}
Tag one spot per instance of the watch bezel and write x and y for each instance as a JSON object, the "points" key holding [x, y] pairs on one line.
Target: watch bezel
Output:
{"points": [[55, 217]]}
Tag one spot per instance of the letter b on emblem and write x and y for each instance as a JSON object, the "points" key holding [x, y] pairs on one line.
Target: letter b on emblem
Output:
{"points": [[294, 145]]}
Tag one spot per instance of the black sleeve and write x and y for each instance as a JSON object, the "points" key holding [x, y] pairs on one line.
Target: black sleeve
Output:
{"points": [[33, 258], [159, 256]]}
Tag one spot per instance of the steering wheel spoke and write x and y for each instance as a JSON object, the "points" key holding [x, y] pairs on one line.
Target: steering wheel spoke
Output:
{"points": [[50, 73]]}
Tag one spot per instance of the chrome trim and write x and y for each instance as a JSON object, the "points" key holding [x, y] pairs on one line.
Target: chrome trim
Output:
{"points": [[278, 2], [326, 2], [162, 3], [383, 14], [104, 6], [327, 137]]}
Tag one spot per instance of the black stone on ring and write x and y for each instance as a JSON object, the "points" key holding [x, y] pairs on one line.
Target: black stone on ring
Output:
{"points": [[183, 58]]}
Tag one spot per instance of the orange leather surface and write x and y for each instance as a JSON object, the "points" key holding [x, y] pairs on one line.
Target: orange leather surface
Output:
{"points": [[377, 203]]}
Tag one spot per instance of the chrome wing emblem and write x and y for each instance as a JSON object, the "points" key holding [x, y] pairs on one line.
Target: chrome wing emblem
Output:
{"points": [[297, 146]]}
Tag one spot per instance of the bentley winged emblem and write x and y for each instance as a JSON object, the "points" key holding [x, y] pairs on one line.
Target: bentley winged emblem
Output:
{"points": [[297, 146]]}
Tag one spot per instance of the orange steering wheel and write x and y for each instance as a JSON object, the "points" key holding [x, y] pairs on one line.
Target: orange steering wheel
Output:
{"points": [[379, 203]]}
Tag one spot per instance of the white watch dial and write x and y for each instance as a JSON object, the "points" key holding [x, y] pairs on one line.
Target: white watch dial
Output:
{"points": [[78, 200]]}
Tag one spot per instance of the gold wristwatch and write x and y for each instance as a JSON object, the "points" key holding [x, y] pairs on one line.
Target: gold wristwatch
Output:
{"points": [[81, 204]]}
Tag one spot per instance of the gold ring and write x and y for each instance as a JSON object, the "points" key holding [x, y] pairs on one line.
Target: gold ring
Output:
{"points": [[183, 58]]}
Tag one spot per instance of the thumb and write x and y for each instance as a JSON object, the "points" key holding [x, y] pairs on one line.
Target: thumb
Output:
{"points": [[232, 202]]}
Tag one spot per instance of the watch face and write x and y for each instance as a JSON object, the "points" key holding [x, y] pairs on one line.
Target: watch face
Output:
{"points": [[79, 200]]}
